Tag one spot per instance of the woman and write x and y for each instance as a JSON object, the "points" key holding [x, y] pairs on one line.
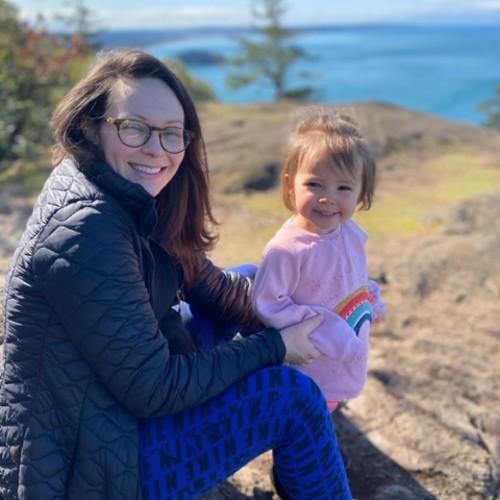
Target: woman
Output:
{"points": [[104, 394]]}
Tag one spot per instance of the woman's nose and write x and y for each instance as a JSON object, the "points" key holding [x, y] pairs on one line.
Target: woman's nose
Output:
{"points": [[153, 144]]}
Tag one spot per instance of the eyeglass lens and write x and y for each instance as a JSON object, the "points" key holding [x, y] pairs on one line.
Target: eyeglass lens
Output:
{"points": [[134, 134]]}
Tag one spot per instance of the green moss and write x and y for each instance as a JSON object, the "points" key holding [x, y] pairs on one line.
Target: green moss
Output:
{"points": [[265, 204], [461, 176], [454, 178]]}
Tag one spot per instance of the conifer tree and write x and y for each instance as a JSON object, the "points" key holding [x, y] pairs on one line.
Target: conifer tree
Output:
{"points": [[270, 56], [81, 23]]}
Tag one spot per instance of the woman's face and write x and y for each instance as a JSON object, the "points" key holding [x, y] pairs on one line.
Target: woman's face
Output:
{"points": [[150, 101]]}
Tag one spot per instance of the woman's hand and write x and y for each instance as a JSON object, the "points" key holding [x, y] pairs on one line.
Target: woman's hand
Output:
{"points": [[299, 348]]}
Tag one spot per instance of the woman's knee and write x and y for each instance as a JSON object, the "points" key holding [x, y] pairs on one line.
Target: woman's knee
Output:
{"points": [[299, 390], [292, 378]]}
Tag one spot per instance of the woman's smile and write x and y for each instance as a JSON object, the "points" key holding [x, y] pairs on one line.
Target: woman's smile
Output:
{"points": [[152, 101], [146, 169]]}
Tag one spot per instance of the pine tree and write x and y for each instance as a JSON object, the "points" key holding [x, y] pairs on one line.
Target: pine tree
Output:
{"points": [[81, 23], [270, 56]]}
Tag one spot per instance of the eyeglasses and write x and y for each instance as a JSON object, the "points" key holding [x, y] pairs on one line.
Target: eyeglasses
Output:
{"points": [[134, 134]]}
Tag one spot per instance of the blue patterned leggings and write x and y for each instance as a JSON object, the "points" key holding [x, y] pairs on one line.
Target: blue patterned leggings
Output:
{"points": [[186, 454], [278, 408]]}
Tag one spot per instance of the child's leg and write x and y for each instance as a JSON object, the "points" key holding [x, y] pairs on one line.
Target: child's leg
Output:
{"points": [[203, 328], [332, 405], [247, 270], [186, 454]]}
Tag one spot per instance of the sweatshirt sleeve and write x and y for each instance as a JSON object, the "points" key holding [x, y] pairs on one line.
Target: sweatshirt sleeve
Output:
{"points": [[87, 265], [378, 304], [277, 279]]}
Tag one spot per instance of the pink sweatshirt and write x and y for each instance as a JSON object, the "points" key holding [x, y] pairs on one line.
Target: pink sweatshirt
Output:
{"points": [[303, 274]]}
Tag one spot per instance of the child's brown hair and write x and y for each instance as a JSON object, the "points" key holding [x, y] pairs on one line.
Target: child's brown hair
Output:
{"points": [[323, 129]]}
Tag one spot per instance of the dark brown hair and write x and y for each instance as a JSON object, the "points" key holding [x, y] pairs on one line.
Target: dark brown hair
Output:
{"points": [[186, 223], [325, 130]]}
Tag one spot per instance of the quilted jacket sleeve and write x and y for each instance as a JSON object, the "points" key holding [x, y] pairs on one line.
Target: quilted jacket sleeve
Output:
{"points": [[87, 267], [223, 294]]}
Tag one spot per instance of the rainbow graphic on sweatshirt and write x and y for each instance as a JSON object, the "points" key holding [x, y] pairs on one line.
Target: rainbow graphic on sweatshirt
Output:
{"points": [[356, 308]]}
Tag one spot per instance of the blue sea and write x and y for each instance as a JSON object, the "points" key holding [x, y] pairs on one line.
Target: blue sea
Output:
{"points": [[446, 71]]}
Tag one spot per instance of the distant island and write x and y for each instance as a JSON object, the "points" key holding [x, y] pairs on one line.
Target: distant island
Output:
{"points": [[414, 66], [141, 38], [144, 37]]}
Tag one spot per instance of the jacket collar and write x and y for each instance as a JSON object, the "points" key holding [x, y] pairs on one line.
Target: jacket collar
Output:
{"points": [[135, 199]]}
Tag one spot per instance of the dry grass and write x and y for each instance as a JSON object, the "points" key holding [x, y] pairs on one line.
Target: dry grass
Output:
{"points": [[401, 210]]}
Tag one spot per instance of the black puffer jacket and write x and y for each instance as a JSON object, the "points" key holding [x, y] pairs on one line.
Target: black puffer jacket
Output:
{"points": [[84, 354]]}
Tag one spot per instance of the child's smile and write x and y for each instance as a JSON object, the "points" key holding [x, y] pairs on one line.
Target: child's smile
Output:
{"points": [[324, 194]]}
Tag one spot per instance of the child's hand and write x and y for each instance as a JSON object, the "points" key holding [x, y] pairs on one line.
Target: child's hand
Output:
{"points": [[299, 348], [378, 305]]}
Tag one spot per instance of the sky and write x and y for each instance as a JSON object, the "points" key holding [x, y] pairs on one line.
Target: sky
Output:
{"points": [[189, 13]]}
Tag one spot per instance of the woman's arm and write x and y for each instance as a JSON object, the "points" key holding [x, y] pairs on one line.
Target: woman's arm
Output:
{"points": [[223, 295], [87, 267]]}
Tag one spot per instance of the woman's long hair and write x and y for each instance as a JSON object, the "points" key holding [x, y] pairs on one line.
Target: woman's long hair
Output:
{"points": [[186, 226]]}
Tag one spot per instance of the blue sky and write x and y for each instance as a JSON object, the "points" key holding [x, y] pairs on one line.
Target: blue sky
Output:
{"points": [[185, 13]]}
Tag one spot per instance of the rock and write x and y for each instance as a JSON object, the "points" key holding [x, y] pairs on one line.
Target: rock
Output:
{"points": [[253, 179]]}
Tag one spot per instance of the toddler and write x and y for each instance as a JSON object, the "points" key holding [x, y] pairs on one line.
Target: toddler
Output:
{"points": [[316, 262]]}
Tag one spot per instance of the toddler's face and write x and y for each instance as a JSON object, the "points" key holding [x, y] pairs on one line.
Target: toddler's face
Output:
{"points": [[324, 195]]}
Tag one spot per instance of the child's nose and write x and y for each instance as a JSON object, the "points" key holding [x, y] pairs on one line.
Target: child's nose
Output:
{"points": [[326, 199]]}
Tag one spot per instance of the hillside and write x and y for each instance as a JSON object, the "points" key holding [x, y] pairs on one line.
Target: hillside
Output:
{"points": [[428, 423]]}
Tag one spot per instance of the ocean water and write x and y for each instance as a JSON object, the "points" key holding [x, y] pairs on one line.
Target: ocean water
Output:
{"points": [[446, 71]]}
